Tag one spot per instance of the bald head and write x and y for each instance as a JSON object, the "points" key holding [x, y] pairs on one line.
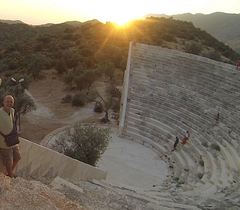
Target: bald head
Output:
{"points": [[8, 103]]}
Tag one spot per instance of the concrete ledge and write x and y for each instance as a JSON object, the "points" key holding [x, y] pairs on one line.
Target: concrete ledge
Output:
{"points": [[40, 162]]}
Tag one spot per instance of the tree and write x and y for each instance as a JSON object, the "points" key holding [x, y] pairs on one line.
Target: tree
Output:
{"points": [[78, 100], [105, 102], [193, 47], [61, 66], [86, 79], [22, 102], [85, 143], [36, 64], [79, 82], [68, 79]]}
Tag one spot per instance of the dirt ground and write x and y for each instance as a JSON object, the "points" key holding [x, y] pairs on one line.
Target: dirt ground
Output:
{"points": [[50, 113]]}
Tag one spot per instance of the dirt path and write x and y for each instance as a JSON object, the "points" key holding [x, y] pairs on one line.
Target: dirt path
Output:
{"points": [[50, 113]]}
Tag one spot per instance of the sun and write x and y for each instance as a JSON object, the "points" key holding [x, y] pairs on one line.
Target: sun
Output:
{"points": [[120, 14], [122, 21]]}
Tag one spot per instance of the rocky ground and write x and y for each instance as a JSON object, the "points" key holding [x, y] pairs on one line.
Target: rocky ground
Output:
{"points": [[24, 194]]}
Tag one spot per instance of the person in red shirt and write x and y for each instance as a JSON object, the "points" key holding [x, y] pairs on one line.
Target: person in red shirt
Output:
{"points": [[238, 64], [185, 137]]}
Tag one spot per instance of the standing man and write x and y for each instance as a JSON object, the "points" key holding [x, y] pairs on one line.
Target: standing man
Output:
{"points": [[10, 155]]}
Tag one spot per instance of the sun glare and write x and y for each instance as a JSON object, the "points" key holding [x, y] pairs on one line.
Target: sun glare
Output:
{"points": [[121, 21], [119, 13]]}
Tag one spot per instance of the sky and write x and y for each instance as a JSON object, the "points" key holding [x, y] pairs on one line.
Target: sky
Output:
{"points": [[37, 12]]}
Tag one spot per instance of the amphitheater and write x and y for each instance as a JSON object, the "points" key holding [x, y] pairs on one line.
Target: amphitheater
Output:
{"points": [[165, 93]]}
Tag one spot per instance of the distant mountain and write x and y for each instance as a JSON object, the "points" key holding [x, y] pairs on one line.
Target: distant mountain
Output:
{"points": [[72, 23], [223, 26], [12, 21], [79, 24]]}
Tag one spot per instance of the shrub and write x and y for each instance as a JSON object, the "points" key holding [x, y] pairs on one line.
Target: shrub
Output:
{"points": [[98, 107], [78, 100], [67, 98], [193, 47], [205, 144], [181, 182], [215, 146], [201, 163], [215, 55], [199, 175], [176, 179], [168, 37], [85, 143]]}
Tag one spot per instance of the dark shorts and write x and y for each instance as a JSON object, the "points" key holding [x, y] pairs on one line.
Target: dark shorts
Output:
{"points": [[10, 155]]}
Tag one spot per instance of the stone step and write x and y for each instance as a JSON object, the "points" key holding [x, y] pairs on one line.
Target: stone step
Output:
{"points": [[58, 183], [157, 199]]}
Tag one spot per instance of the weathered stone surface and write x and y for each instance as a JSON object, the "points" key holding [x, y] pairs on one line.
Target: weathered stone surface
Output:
{"points": [[21, 194]]}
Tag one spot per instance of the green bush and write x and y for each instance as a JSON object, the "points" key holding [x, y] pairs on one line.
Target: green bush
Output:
{"points": [[85, 143], [168, 37], [98, 107], [176, 179], [193, 48], [201, 163], [215, 55], [215, 146], [78, 100], [205, 144], [199, 175]]}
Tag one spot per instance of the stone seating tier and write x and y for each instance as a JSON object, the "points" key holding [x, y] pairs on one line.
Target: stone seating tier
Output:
{"points": [[165, 134], [225, 82], [205, 122], [182, 170], [171, 92]]}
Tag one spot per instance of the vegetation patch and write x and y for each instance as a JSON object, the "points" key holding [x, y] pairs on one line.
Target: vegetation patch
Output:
{"points": [[215, 146], [205, 144], [176, 179], [201, 163], [200, 175], [85, 143]]}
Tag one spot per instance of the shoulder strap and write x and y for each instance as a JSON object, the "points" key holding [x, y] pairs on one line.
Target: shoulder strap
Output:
{"points": [[12, 115], [2, 134]]}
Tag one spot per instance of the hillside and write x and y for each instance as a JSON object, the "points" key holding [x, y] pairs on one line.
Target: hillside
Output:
{"points": [[223, 26]]}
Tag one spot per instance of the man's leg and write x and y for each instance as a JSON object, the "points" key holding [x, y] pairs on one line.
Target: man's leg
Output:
{"points": [[9, 171], [16, 157], [15, 162], [7, 158]]}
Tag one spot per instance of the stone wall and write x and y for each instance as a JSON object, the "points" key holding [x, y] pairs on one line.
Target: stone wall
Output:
{"points": [[40, 162]]}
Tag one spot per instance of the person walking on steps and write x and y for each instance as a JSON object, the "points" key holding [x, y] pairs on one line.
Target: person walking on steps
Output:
{"points": [[238, 64], [185, 138], [175, 143]]}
